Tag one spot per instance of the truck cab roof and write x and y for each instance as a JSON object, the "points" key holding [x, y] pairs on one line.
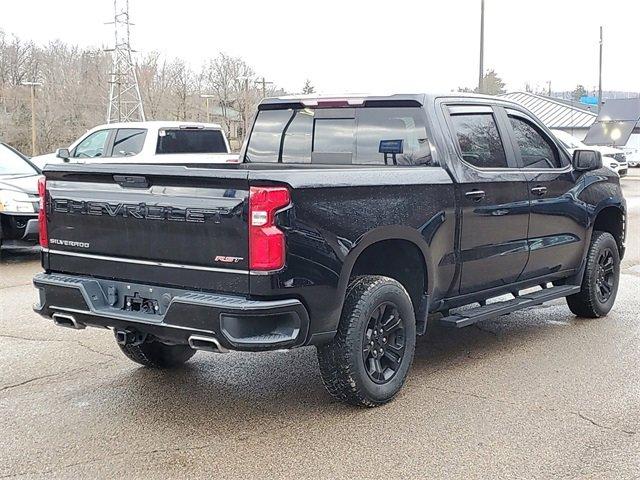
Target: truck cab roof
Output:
{"points": [[158, 124], [363, 99]]}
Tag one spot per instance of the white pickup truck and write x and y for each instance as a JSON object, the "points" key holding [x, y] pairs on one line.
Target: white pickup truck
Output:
{"points": [[612, 158], [146, 142]]}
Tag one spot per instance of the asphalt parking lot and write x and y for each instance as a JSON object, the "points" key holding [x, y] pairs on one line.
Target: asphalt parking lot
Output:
{"points": [[536, 394]]}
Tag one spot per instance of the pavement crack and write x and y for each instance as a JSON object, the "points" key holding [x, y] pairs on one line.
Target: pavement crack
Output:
{"points": [[25, 382], [600, 425], [141, 453], [106, 457], [77, 342], [530, 407], [51, 375]]}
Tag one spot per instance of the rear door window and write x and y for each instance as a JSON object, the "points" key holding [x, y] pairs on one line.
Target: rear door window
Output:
{"points": [[190, 140], [128, 142], [479, 140]]}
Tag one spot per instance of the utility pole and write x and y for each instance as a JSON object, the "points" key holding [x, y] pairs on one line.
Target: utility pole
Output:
{"points": [[481, 69], [125, 101], [33, 86], [264, 84], [206, 97], [246, 100], [600, 73]]}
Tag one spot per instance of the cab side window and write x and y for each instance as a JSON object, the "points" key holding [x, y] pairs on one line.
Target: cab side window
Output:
{"points": [[535, 149], [128, 142], [92, 146], [479, 140]]}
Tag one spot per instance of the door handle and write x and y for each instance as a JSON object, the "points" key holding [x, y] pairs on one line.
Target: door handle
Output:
{"points": [[475, 195], [539, 191]]}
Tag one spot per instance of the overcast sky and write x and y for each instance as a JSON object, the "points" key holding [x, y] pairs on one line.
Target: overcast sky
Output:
{"points": [[366, 46]]}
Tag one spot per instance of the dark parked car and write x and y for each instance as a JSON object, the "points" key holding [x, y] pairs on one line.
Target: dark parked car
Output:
{"points": [[18, 199], [348, 225]]}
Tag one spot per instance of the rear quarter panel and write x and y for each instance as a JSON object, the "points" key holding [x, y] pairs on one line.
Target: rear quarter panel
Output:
{"points": [[337, 213]]}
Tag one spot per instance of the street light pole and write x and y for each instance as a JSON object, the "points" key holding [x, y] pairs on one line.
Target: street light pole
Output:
{"points": [[33, 86], [600, 73], [481, 69]]}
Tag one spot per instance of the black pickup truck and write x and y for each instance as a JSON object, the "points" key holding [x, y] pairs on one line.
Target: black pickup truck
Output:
{"points": [[350, 223]]}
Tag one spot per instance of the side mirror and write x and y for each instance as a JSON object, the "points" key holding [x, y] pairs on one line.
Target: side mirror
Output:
{"points": [[63, 153], [585, 160]]}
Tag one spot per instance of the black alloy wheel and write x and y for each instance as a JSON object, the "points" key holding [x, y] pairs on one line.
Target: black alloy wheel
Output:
{"points": [[384, 343], [605, 275]]}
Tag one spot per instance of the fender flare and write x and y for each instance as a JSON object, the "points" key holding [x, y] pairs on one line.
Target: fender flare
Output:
{"points": [[380, 234], [610, 202]]}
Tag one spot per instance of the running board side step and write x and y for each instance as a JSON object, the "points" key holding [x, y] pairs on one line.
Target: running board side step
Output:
{"points": [[493, 310]]}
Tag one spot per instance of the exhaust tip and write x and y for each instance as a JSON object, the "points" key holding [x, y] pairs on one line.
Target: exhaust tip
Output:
{"points": [[208, 344], [67, 321]]}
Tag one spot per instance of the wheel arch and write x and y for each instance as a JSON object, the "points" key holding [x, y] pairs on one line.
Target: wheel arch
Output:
{"points": [[611, 218], [403, 248]]}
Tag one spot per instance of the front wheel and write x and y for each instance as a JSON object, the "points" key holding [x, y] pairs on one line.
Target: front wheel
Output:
{"points": [[367, 362], [601, 277]]}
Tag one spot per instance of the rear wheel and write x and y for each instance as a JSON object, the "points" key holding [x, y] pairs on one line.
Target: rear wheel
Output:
{"points": [[158, 355], [367, 362], [601, 277]]}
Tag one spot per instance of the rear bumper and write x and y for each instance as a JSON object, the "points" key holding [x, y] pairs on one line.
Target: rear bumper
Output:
{"points": [[173, 315]]}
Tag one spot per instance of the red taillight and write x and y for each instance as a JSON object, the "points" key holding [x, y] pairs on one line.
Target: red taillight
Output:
{"points": [[266, 241], [42, 214]]}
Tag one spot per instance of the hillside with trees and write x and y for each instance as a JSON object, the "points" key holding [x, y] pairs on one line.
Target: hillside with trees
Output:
{"points": [[74, 93]]}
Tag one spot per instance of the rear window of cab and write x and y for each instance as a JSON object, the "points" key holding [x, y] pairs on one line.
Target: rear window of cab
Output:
{"points": [[341, 136], [189, 140]]}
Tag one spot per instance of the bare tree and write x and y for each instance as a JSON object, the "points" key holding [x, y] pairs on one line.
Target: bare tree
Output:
{"points": [[230, 79], [74, 92]]}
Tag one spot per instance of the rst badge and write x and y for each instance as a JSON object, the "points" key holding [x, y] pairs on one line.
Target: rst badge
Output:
{"points": [[225, 259]]}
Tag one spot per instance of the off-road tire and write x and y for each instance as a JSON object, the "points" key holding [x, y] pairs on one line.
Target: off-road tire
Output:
{"points": [[588, 302], [158, 355], [342, 362]]}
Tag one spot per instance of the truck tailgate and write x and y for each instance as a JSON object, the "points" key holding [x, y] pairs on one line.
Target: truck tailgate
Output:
{"points": [[166, 225]]}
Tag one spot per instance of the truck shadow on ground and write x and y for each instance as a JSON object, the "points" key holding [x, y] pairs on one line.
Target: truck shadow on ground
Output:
{"points": [[19, 255], [246, 387]]}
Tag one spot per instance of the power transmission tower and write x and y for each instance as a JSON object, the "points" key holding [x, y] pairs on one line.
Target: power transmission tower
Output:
{"points": [[125, 102]]}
